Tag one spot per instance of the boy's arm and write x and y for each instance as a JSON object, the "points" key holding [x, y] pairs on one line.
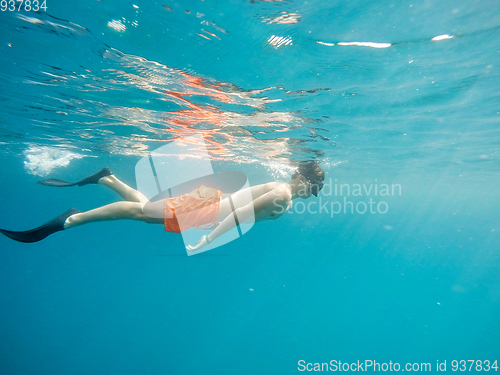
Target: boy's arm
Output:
{"points": [[268, 206]]}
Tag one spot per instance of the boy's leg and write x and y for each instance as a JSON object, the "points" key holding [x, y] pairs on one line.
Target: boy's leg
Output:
{"points": [[104, 177], [125, 191], [113, 211]]}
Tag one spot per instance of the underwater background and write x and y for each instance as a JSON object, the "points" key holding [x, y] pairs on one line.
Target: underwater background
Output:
{"points": [[403, 94]]}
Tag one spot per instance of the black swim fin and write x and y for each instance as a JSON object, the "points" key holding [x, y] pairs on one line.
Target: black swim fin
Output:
{"points": [[88, 180], [38, 234]]}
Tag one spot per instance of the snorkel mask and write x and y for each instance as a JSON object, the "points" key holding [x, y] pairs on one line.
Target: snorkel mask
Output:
{"points": [[311, 172], [316, 187]]}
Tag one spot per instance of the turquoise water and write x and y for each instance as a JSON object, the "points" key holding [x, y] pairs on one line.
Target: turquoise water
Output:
{"points": [[395, 93]]}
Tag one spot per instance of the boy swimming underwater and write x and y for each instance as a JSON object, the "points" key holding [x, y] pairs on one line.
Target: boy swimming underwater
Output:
{"points": [[202, 207]]}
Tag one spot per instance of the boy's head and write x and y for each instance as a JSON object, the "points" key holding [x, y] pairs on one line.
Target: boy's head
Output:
{"points": [[310, 172]]}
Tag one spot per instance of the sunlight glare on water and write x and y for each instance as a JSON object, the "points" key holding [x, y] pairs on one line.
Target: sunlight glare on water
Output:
{"points": [[274, 115]]}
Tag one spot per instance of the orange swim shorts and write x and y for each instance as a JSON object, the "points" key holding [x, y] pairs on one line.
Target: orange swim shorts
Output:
{"points": [[195, 209]]}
